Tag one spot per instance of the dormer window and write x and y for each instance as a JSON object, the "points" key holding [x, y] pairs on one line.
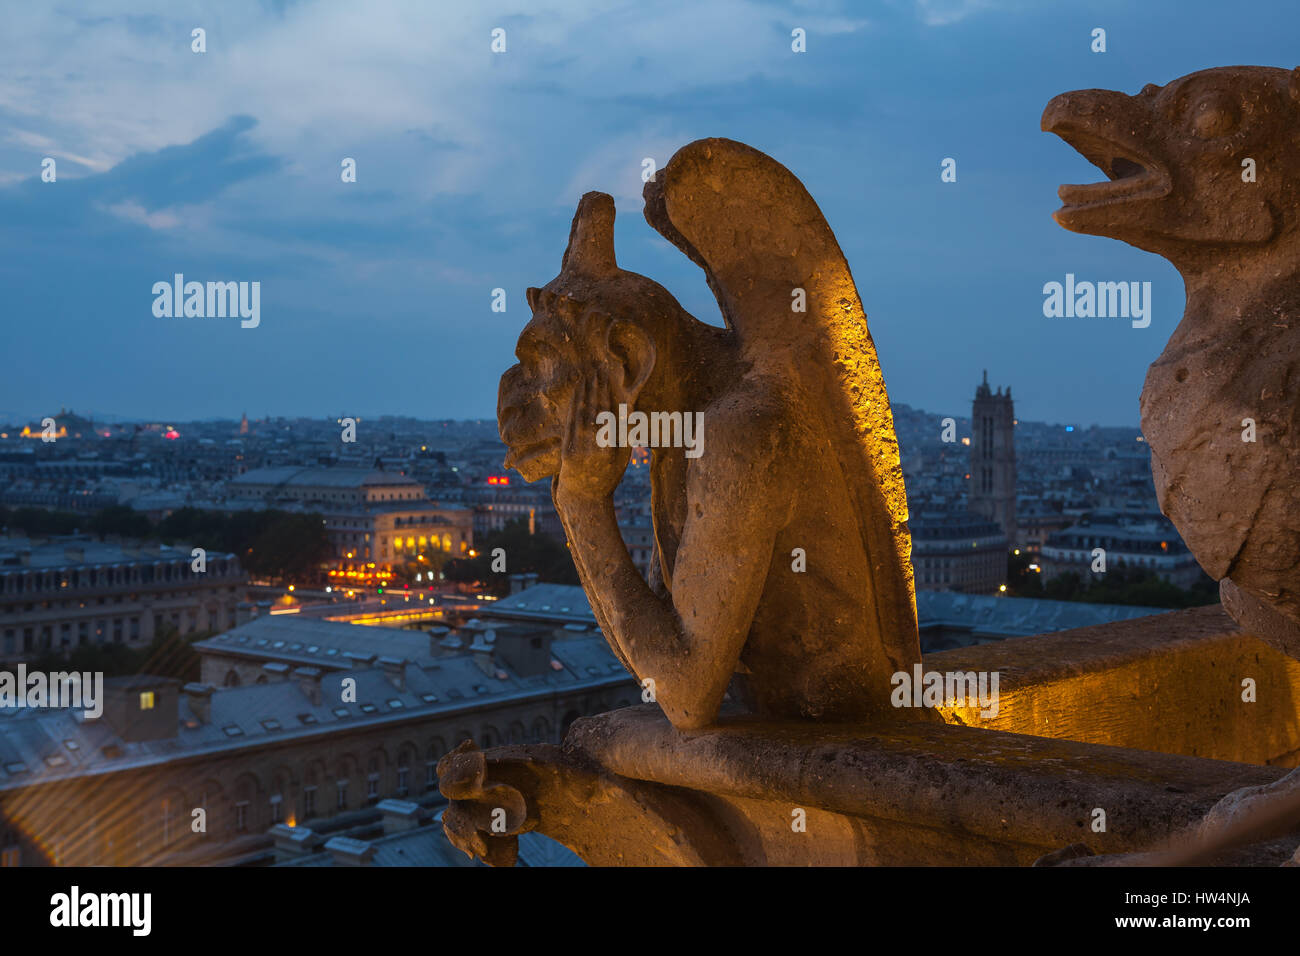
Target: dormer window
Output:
{"points": [[146, 700]]}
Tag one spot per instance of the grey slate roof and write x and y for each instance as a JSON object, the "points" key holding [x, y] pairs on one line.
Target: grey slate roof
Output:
{"points": [[1017, 617], [254, 714], [321, 477], [53, 553], [983, 613], [315, 642], [561, 603]]}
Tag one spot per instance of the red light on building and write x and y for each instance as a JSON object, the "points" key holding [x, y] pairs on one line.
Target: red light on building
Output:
{"points": [[172, 435], [498, 479]]}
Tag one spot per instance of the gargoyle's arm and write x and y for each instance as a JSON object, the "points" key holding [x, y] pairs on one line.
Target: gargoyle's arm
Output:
{"points": [[688, 643]]}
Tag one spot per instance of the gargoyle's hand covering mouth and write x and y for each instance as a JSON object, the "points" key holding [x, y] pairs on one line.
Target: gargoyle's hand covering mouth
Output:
{"points": [[526, 426], [1110, 130]]}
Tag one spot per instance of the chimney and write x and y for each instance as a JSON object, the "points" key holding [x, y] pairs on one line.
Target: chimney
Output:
{"points": [[275, 672], [482, 651], [436, 636], [359, 661], [199, 697], [309, 683], [522, 581], [263, 607], [293, 842], [399, 815], [349, 852], [243, 613], [525, 650], [394, 671]]}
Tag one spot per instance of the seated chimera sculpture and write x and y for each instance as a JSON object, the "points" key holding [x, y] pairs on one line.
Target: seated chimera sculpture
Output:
{"points": [[799, 465]]}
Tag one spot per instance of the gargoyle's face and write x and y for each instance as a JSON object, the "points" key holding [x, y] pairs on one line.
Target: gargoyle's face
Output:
{"points": [[535, 399], [1173, 157]]}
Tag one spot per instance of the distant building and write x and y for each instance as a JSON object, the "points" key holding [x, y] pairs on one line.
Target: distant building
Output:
{"points": [[496, 506], [958, 551], [992, 489], [57, 594], [1148, 541], [639, 535], [376, 516], [1037, 521]]}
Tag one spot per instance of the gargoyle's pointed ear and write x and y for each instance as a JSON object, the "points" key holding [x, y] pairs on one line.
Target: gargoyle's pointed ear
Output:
{"points": [[591, 238]]}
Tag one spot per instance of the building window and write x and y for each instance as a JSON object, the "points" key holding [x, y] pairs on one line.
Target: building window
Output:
{"points": [[372, 787], [277, 809], [241, 816], [403, 776], [308, 802], [146, 700], [343, 794]]}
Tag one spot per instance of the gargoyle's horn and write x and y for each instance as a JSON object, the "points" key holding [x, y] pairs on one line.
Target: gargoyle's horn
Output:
{"points": [[591, 237]]}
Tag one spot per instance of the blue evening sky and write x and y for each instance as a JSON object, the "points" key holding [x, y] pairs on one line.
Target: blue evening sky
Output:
{"points": [[376, 295]]}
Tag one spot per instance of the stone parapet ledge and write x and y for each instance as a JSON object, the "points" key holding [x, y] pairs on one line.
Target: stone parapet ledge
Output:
{"points": [[629, 788], [917, 794], [1141, 725], [1169, 682]]}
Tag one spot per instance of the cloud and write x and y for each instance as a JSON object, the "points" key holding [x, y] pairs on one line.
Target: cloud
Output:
{"points": [[942, 13], [132, 211]]}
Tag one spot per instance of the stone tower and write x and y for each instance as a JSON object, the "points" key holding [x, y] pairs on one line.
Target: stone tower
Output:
{"points": [[992, 490]]}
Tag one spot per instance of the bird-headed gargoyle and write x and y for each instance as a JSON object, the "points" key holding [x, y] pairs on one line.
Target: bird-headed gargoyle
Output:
{"points": [[1205, 171], [780, 576]]}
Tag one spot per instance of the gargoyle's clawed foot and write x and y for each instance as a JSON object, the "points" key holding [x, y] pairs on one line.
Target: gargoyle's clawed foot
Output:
{"points": [[485, 818]]}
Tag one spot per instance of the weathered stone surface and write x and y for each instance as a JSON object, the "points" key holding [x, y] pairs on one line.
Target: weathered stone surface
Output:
{"points": [[1167, 682], [1177, 157], [499, 794], [1254, 825], [799, 465], [629, 787]]}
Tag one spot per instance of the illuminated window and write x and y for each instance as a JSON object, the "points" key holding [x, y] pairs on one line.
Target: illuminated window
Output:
{"points": [[146, 700]]}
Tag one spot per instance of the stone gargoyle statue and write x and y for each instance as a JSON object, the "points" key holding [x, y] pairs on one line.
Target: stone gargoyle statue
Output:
{"points": [[781, 570], [780, 579], [1205, 171]]}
